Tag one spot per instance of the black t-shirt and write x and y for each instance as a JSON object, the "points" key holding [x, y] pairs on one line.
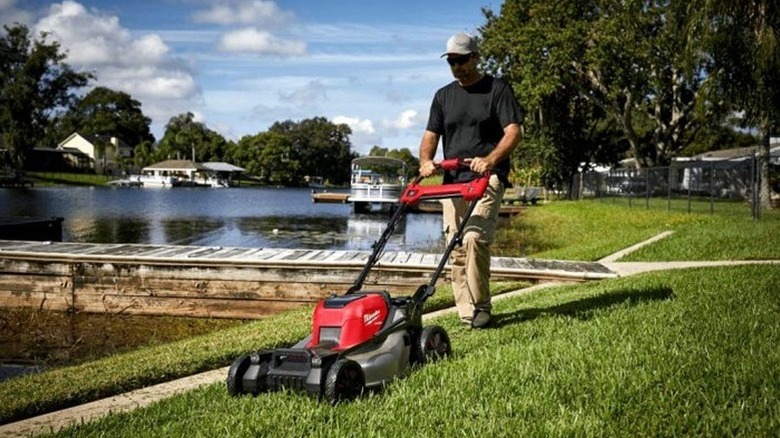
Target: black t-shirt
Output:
{"points": [[471, 121]]}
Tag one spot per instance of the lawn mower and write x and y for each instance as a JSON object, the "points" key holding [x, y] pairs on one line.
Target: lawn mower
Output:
{"points": [[362, 339]]}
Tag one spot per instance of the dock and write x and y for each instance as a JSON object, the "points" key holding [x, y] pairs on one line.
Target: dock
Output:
{"points": [[222, 282], [329, 197]]}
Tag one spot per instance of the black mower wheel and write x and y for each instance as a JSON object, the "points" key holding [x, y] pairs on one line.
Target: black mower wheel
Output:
{"points": [[235, 385], [243, 365], [345, 381], [433, 344]]}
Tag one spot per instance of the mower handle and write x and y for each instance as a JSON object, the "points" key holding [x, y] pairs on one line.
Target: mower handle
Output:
{"points": [[452, 164], [469, 190]]}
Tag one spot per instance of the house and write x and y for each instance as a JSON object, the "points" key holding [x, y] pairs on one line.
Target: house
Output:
{"points": [[103, 152], [697, 173]]}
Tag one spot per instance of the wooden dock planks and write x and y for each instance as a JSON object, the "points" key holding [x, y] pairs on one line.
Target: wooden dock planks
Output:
{"points": [[221, 282]]}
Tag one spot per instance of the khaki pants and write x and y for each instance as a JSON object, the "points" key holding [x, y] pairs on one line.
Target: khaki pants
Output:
{"points": [[471, 261]]}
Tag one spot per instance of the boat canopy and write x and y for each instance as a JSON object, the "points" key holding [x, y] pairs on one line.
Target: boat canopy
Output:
{"points": [[371, 160]]}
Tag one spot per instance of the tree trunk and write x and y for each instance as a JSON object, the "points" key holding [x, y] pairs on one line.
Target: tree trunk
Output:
{"points": [[763, 163]]}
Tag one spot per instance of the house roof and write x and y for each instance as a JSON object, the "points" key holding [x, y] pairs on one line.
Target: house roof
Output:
{"points": [[176, 165], [730, 154], [725, 154], [94, 139], [372, 160]]}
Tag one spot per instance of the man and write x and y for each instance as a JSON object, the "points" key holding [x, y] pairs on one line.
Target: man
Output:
{"points": [[477, 118]]}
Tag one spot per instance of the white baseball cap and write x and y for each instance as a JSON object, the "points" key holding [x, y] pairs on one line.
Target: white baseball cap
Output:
{"points": [[461, 44]]}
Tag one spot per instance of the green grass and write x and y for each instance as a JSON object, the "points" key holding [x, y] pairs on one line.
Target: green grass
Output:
{"points": [[667, 354], [70, 179], [718, 238], [591, 230]]}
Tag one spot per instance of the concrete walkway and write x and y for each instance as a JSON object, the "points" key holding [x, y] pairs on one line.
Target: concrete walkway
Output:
{"points": [[142, 397]]}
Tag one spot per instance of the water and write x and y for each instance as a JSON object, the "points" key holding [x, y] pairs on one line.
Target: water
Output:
{"points": [[242, 217]]}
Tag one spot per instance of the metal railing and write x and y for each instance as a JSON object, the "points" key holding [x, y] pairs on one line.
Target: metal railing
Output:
{"points": [[726, 186]]}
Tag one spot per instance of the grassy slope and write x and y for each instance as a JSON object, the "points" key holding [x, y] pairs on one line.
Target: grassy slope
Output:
{"points": [[688, 353]]}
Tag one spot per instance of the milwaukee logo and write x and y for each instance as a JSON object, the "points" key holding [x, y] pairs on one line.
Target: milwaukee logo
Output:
{"points": [[370, 318]]}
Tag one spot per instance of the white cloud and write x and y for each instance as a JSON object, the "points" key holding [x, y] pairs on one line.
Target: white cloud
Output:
{"points": [[362, 126], [364, 136], [406, 120], [258, 12], [251, 40], [140, 66]]}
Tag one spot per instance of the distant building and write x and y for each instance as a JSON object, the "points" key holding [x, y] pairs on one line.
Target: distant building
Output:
{"points": [[734, 154], [697, 173], [102, 152]]}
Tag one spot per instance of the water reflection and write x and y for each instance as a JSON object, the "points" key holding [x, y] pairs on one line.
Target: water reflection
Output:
{"points": [[179, 231], [112, 230]]}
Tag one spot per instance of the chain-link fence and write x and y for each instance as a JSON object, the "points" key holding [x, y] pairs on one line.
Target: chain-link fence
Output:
{"points": [[725, 186]]}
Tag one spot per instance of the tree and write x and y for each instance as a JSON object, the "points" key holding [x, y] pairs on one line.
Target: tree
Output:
{"points": [[184, 137], [532, 44], [630, 59], [321, 147], [744, 41], [247, 153], [108, 113], [403, 154], [35, 83], [279, 166], [143, 154]]}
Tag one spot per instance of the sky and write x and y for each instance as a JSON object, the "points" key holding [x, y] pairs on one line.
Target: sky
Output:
{"points": [[241, 65]]}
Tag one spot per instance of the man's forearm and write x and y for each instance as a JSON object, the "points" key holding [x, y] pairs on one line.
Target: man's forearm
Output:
{"points": [[513, 133], [428, 146]]}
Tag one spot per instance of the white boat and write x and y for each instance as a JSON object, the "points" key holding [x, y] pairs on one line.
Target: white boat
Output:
{"points": [[377, 183], [152, 180], [315, 182]]}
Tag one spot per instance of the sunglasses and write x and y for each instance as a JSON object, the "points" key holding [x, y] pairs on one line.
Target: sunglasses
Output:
{"points": [[458, 60]]}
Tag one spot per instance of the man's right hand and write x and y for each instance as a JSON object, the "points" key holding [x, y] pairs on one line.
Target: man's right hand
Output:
{"points": [[427, 168]]}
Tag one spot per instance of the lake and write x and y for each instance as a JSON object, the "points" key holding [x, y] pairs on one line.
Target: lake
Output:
{"points": [[243, 217]]}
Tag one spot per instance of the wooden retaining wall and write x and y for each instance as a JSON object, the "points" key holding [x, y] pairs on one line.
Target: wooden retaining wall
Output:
{"points": [[219, 282]]}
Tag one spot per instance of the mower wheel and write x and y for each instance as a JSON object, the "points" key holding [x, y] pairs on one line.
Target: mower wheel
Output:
{"points": [[433, 344], [235, 376], [345, 381]]}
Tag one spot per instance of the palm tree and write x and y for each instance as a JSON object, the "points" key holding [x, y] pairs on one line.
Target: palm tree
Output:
{"points": [[744, 40]]}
